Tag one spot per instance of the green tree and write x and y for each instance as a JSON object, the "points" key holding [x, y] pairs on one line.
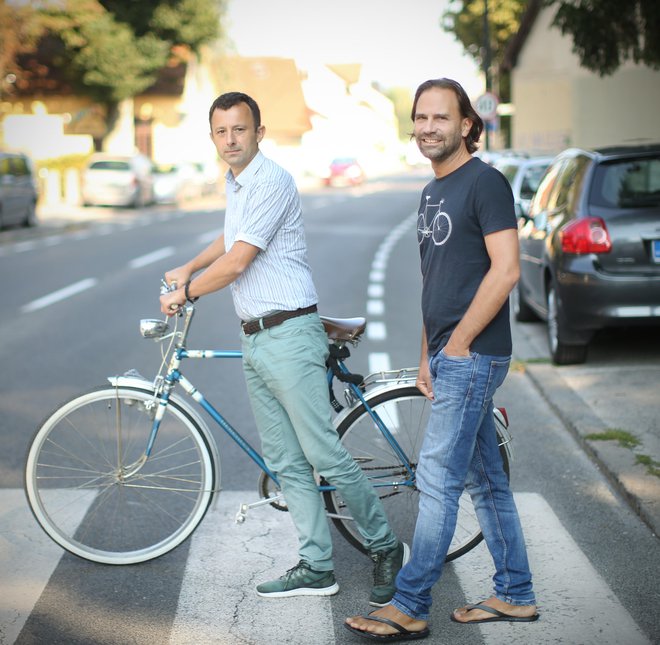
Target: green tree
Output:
{"points": [[109, 50], [113, 49], [465, 20], [606, 33], [19, 32]]}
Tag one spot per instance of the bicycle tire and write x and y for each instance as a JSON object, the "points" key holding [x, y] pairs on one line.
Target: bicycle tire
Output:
{"points": [[404, 410], [82, 492]]}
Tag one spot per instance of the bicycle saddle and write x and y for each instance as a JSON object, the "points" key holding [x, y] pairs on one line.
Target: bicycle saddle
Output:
{"points": [[348, 329]]}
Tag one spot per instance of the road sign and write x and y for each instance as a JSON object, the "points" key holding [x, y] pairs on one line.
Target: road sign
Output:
{"points": [[486, 106]]}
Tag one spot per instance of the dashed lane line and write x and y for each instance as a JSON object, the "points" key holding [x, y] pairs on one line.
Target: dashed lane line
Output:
{"points": [[59, 295], [152, 257]]}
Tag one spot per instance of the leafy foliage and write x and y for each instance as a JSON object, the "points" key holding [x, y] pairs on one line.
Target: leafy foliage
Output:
{"points": [[19, 32], [467, 24], [606, 33], [113, 49]]}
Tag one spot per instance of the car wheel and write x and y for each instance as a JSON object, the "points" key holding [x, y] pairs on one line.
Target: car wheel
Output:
{"points": [[561, 353], [521, 310], [30, 219]]}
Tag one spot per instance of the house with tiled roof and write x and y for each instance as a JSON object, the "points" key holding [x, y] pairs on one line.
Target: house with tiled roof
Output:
{"points": [[313, 115]]}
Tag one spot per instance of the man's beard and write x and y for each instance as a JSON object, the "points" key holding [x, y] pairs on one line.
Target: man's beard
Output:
{"points": [[452, 145]]}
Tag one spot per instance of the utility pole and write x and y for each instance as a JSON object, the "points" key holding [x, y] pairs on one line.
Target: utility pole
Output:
{"points": [[486, 62]]}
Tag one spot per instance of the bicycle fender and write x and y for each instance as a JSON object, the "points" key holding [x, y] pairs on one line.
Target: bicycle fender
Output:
{"points": [[368, 397], [147, 386], [500, 420]]}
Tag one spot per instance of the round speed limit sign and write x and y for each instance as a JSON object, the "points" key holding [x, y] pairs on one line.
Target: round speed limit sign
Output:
{"points": [[486, 106]]}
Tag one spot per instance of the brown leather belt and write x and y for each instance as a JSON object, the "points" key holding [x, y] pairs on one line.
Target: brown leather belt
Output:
{"points": [[253, 326]]}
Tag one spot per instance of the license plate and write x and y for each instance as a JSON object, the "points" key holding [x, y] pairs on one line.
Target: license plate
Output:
{"points": [[655, 251]]}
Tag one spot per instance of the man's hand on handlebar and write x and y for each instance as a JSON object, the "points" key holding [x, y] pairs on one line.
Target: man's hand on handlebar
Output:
{"points": [[172, 301], [172, 297]]}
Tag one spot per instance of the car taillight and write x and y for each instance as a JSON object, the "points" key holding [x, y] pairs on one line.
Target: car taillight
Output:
{"points": [[586, 235]]}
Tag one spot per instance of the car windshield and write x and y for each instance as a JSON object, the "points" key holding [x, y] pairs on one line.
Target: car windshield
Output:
{"points": [[531, 180], [110, 165], [627, 183], [508, 170]]}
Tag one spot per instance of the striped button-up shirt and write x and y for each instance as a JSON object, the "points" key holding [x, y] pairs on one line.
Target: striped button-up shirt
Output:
{"points": [[263, 209]]}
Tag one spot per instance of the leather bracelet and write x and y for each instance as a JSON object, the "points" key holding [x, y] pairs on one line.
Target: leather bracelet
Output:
{"points": [[188, 298]]}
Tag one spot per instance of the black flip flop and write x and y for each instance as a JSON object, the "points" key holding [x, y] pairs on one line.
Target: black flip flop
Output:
{"points": [[402, 635], [498, 616]]}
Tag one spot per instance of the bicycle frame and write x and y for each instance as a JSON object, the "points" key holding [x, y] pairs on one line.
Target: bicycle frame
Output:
{"points": [[163, 392]]}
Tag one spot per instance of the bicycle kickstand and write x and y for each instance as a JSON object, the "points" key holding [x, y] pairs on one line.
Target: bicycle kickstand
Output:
{"points": [[241, 515]]}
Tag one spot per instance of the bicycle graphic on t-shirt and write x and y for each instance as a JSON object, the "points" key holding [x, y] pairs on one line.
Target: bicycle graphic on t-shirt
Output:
{"points": [[440, 228]]}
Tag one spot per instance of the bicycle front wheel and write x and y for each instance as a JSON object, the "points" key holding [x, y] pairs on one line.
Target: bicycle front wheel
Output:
{"points": [[404, 410], [92, 490]]}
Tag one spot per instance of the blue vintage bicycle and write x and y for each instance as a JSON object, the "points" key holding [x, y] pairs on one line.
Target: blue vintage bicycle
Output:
{"points": [[127, 471]]}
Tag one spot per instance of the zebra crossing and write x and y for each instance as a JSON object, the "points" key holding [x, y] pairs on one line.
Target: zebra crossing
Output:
{"points": [[217, 604]]}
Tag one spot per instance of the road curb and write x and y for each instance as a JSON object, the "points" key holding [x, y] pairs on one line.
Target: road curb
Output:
{"points": [[639, 489]]}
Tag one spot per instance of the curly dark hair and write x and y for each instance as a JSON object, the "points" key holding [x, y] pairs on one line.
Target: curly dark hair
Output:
{"points": [[464, 105], [230, 99]]}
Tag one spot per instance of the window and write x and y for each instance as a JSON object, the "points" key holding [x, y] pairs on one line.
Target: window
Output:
{"points": [[541, 201], [531, 180], [110, 165], [627, 183]]}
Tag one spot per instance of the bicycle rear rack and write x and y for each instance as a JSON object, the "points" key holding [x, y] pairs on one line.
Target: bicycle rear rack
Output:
{"points": [[407, 375]]}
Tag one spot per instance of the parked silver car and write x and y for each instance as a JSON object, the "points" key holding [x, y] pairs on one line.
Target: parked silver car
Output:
{"points": [[115, 180], [18, 190], [524, 175]]}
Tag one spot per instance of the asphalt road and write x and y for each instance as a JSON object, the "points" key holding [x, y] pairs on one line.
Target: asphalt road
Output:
{"points": [[70, 319]]}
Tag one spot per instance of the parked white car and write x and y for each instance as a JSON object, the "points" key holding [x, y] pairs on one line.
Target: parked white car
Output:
{"points": [[524, 175], [115, 180]]}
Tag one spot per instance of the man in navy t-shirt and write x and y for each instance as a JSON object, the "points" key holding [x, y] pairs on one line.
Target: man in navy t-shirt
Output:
{"points": [[466, 229]]}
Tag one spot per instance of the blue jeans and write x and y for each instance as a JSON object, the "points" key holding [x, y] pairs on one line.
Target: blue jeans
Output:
{"points": [[286, 379], [460, 450]]}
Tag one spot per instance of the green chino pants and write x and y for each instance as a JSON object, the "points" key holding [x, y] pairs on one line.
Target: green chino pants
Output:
{"points": [[286, 380]]}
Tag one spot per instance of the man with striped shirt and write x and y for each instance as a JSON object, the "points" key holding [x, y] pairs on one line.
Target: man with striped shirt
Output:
{"points": [[262, 256]]}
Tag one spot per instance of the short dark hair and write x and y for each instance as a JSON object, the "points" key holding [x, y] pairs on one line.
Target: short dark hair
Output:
{"points": [[230, 99], [464, 105]]}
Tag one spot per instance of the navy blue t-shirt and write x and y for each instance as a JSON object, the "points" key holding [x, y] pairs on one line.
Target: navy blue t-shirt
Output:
{"points": [[455, 214]]}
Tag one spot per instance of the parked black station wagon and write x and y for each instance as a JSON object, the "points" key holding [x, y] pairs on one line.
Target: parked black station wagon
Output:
{"points": [[590, 247]]}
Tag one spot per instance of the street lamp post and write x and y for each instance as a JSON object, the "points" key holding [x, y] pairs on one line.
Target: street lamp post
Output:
{"points": [[486, 62]]}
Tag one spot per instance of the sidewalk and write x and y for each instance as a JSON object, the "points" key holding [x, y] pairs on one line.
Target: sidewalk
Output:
{"points": [[593, 399]]}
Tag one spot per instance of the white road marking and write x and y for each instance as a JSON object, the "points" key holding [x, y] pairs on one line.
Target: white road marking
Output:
{"points": [[61, 294], [377, 276], [218, 603], [210, 236], [575, 602], [28, 558], [152, 257], [375, 307], [376, 291], [22, 247], [379, 362], [376, 330]]}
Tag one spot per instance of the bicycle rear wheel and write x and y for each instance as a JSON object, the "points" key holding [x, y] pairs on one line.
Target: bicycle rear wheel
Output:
{"points": [[93, 493], [405, 412]]}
